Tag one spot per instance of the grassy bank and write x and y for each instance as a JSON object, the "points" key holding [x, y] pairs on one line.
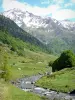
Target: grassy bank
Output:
{"points": [[63, 80], [10, 92]]}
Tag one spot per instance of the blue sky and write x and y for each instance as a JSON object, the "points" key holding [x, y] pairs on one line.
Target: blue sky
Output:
{"points": [[57, 9]]}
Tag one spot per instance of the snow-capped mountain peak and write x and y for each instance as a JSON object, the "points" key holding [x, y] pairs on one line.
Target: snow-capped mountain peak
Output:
{"points": [[24, 18]]}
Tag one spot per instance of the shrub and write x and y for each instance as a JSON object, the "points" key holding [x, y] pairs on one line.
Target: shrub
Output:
{"points": [[66, 60], [50, 63], [23, 61]]}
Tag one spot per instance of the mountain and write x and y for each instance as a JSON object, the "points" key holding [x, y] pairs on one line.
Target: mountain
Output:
{"points": [[68, 24], [33, 21], [57, 35], [17, 38]]}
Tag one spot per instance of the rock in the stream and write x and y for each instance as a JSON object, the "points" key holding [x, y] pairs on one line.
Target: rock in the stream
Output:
{"points": [[72, 92]]}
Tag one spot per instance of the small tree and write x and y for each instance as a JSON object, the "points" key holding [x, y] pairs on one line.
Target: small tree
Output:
{"points": [[6, 70], [66, 60]]}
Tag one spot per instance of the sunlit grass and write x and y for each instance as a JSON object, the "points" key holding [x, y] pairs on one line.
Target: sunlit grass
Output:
{"points": [[21, 66], [10, 92], [63, 80]]}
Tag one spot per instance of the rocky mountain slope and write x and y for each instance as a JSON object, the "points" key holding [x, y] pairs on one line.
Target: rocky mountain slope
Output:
{"points": [[57, 35], [17, 38]]}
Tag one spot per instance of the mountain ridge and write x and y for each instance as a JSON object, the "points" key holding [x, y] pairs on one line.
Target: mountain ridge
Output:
{"points": [[11, 30], [49, 31], [19, 13]]}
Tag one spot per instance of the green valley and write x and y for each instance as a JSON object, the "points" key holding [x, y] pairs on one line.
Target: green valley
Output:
{"points": [[23, 56], [21, 66]]}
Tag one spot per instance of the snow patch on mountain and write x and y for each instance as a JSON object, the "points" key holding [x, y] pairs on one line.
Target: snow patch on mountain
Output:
{"points": [[67, 24], [33, 21]]}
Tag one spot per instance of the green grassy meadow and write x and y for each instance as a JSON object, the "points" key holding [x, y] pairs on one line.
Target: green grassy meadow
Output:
{"points": [[10, 92], [33, 63], [63, 81], [21, 66]]}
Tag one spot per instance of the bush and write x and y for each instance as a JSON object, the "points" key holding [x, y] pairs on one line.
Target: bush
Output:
{"points": [[66, 60], [50, 63]]}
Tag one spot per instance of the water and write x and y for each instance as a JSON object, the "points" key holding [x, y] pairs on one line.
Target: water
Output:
{"points": [[27, 84]]}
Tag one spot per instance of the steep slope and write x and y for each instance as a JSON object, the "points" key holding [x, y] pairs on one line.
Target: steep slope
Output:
{"points": [[49, 31], [11, 29]]}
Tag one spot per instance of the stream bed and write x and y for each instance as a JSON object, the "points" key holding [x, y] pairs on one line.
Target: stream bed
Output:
{"points": [[27, 84]]}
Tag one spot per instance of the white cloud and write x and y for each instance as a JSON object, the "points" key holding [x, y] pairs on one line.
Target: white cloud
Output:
{"points": [[58, 1], [52, 1], [45, 2], [68, 4], [10, 4], [55, 10], [43, 11], [64, 14], [73, 1], [6, 3]]}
